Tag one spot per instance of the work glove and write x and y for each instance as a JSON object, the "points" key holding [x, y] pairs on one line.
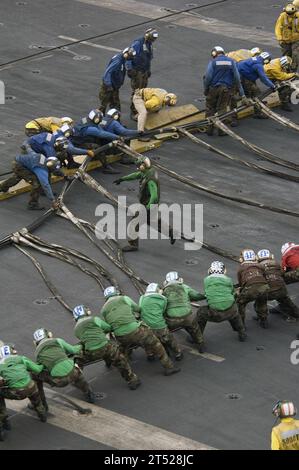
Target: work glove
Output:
{"points": [[90, 153], [118, 181], [68, 178], [245, 100], [55, 204]]}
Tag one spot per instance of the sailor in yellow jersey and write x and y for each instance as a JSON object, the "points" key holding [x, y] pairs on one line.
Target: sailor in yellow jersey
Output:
{"points": [[285, 436], [244, 54], [46, 124], [279, 70], [287, 33]]}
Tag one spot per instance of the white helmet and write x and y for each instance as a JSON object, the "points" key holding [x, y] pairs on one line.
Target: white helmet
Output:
{"points": [[266, 57], [217, 50], [151, 34], [80, 311], [247, 256], [217, 267], [110, 292], [40, 334], [5, 351], [66, 130], [61, 143], [129, 52], [286, 246], [255, 51], [285, 61], [284, 409], [144, 161], [152, 288], [96, 116], [172, 277], [67, 120], [53, 163], [264, 254], [290, 9], [114, 113]]}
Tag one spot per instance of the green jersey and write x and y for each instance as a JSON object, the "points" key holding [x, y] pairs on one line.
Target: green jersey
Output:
{"points": [[91, 331], [179, 297], [52, 353], [15, 370], [119, 313], [219, 291], [153, 307], [149, 186]]}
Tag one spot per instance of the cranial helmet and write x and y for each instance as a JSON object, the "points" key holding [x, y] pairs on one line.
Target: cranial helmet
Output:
{"points": [[286, 246], [114, 113], [81, 311], [290, 9], [110, 291], [61, 143], [95, 116], [172, 277], [151, 34], [129, 53], [217, 267], [247, 256], [170, 99], [66, 130], [32, 128], [152, 288], [285, 61], [264, 255], [53, 163], [255, 51], [67, 120], [41, 334], [217, 50], [7, 350], [284, 409], [144, 161], [266, 57]]}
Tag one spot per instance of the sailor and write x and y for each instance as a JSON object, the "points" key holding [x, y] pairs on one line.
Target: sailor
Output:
{"points": [[150, 100], [279, 70], [290, 261], [179, 309], [285, 436], [153, 306], [244, 54], [253, 287], [111, 123], [221, 81], [250, 71], [36, 170], [119, 311], [114, 78], [221, 304], [16, 383], [149, 197], [90, 131], [139, 67], [91, 332], [278, 289], [287, 33], [58, 145], [60, 369], [46, 124]]}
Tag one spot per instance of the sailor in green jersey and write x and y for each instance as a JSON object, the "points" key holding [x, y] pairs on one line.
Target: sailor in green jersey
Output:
{"points": [[149, 195], [179, 309], [220, 295], [91, 332], [119, 312], [153, 307], [17, 384], [60, 370]]}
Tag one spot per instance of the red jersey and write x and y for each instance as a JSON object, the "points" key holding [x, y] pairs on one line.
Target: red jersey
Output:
{"points": [[290, 259]]}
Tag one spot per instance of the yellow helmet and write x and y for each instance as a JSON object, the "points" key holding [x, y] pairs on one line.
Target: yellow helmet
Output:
{"points": [[67, 120], [32, 125], [170, 99], [290, 9], [255, 51], [296, 3], [32, 128]]}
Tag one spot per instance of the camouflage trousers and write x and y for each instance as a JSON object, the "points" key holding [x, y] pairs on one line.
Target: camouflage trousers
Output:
{"points": [[205, 314], [292, 50], [139, 80], [168, 340], [112, 355], [251, 90], [75, 378], [31, 392], [285, 304], [217, 101], [188, 323], [20, 173], [285, 94], [291, 276], [145, 338], [256, 293], [109, 97]]}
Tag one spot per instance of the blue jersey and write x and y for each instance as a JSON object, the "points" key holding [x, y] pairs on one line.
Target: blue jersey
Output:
{"points": [[88, 131], [36, 163], [115, 72], [44, 143], [222, 71], [144, 56], [253, 69], [111, 125]]}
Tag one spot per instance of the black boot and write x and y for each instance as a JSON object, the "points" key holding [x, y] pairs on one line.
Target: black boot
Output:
{"points": [[6, 424], [34, 206], [242, 336], [179, 356], [2, 433], [134, 384], [171, 371], [90, 397], [286, 107]]}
